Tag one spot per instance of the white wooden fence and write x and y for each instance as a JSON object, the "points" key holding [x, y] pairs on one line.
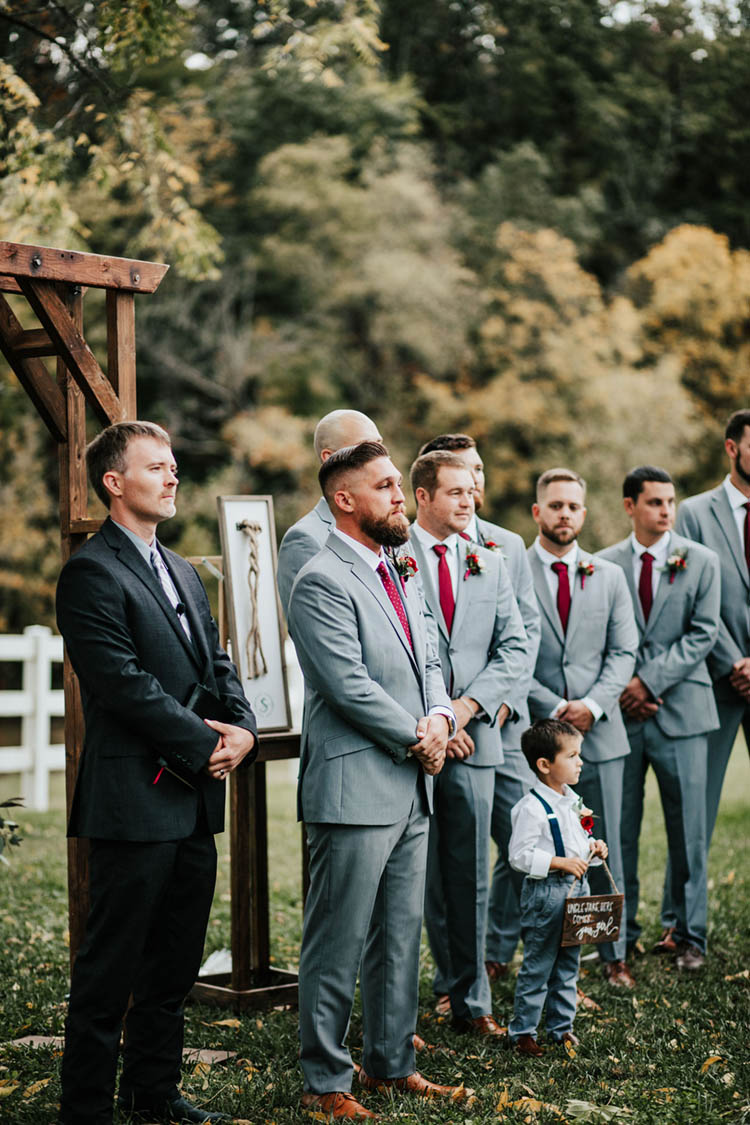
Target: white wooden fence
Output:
{"points": [[37, 649]]}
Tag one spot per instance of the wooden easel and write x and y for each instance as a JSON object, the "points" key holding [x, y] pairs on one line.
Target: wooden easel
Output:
{"points": [[53, 283]]}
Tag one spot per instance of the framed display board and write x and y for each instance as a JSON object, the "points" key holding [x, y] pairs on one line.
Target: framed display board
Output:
{"points": [[248, 548]]}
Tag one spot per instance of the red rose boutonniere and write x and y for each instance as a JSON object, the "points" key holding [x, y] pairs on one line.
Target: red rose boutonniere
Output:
{"points": [[677, 561], [585, 569], [405, 566], [586, 818], [474, 564]]}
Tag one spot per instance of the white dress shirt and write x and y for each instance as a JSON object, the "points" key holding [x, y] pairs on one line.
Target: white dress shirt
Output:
{"points": [[531, 844], [737, 501], [659, 550], [453, 544], [570, 558]]}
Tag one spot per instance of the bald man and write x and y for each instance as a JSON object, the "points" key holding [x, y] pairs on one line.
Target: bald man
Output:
{"points": [[305, 538]]}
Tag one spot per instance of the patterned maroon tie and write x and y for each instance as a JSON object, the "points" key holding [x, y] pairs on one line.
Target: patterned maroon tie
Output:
{"points": [[398, 605], [646, 584], [445, 586], [563, 593]]}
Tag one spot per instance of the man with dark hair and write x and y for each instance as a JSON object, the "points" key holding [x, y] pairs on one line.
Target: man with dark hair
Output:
{"points": [[482, 647], [303, 540], [668, 705], [586, 658], [376, 724], [720, 519], [150, 790], [512, 777]]}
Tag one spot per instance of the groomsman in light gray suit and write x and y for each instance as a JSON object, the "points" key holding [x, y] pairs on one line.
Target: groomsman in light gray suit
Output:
{"points": [[668, 705], [304, 539], [513, 778], [586, 658], [720, 519], [376, 725], [482, 647]]}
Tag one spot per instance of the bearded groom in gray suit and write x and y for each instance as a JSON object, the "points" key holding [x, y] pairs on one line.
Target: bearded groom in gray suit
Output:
{"points": [[482, 647], [513, 778], [376, 725], [668, 705], [305, 538], [586, 658]]}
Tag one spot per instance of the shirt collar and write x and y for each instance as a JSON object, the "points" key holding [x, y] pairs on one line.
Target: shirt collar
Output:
{"points": [[659, 549], [428, 540], [367, 556], [472, 529], [569, 558], [558, 800], [143, 547], [736, 498]]}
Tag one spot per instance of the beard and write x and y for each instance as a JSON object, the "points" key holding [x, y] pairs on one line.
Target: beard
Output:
{"points": [[560, 537], [478, 500], [742, 472], [391, 531]]}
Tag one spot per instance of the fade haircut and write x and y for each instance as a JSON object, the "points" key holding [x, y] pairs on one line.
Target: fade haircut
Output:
{"points": [[344, 461], [106, 453], [544, 739], [425, 471], [451, 442], [736, 425], [551, 475], [633, 484]]}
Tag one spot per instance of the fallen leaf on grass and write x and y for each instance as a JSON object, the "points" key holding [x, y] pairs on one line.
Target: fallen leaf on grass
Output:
{"points": [[570, 1050], [744, 975], [728, 1078], [235, 1023], [35, 1087], [588, 1111], [710, 1062], [530, 1105], [7, 1087]]}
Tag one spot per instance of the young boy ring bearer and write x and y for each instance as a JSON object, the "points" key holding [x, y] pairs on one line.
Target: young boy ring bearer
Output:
{"points": [[550, 846]]}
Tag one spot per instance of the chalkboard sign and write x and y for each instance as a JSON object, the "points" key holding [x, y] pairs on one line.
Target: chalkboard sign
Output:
{"points": [[590, 919]]}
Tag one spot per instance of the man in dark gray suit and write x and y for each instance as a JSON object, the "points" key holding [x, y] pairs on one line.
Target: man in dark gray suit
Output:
{"points": [[586, 658], [376, 724], [305, 538], [668, 705], [513, 778], [150, 790], [482, 647]]}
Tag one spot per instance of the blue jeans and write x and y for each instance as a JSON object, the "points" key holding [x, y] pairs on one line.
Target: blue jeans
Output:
{"points": [[549, 971]]}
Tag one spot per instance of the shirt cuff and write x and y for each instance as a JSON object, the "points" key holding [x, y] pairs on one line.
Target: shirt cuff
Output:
{"points": [[593, 707], [560, 706], [448, 712], [540, 861]]}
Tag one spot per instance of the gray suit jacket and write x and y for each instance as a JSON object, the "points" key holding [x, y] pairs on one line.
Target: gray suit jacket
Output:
{"points": [[595, 657], [513, 550], [707, 518], [485, 654], [302, 541], [364, 690], [681, 631]]}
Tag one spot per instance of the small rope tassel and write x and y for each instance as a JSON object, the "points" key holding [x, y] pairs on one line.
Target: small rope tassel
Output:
{"points": [[256, 661]]}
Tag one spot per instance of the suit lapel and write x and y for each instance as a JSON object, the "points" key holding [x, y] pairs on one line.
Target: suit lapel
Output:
{"points": [[463, 586], [579, 597], [131, 557], [198, 633], [666, 585], [723, 513], [624, 559], [548, 607]]}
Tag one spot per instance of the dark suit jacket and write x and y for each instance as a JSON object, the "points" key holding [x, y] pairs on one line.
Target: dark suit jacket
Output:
{"points": [[136, 668]]}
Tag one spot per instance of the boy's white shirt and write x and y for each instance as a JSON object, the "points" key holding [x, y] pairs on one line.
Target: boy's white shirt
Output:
{"points": [[531, 845]]}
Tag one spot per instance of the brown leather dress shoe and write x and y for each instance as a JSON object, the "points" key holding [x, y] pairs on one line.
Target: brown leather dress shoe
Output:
{"points": [[690, 958], [414, 1084], [666, 943], [334, 1107], [496, 970], [527, 1045], [586, 1001], [486, 1026], [421, 1044], [443, 1005], [618, 974]]}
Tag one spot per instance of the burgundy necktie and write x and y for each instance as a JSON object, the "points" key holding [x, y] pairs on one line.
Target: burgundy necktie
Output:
{"points": [[747, 534], [398, 605], [645, 583], [445, 586], [563, 593]]}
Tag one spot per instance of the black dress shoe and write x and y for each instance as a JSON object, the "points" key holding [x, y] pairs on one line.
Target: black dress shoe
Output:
{"points": [[175, 1110]]}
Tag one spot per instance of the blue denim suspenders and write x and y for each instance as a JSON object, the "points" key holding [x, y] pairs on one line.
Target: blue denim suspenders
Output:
{"points": [[554, 824]]}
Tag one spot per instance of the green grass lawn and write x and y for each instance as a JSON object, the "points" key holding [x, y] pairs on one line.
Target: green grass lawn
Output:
{"points": [[675, 1052]]}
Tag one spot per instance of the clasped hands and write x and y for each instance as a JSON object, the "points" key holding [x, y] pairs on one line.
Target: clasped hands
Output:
{"points": [[574, 865], [234, 744], [637, 701], [739, 677]]}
